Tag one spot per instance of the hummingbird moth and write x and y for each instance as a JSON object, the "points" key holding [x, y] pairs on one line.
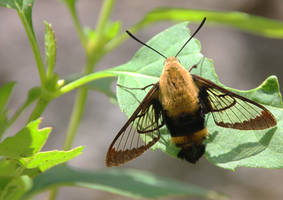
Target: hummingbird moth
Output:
{"points": [[180, 100]]}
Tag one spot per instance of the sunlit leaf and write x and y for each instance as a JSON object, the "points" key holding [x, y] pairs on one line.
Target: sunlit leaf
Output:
{"points": [[48, 159]]}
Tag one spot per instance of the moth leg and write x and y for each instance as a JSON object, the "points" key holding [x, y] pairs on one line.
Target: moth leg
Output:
{"points": [[192, 67], [128, 88], [196, 65]]}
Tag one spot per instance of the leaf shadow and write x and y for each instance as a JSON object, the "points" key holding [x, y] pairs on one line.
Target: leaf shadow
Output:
{"points": [[242, 151]]}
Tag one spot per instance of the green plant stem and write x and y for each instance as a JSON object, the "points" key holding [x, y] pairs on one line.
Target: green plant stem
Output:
{"points": [[73, 11], [93, 54], [34, 46], [82, 81], [104, 16], [92, 58], [53, 194], [75, 117]]}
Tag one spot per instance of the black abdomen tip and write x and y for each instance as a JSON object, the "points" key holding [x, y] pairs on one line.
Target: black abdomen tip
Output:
{"points": [[192, 153]]}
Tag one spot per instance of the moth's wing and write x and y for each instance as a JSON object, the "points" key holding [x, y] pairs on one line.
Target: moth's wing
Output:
{"points": [[231, 110], [145, 122]]}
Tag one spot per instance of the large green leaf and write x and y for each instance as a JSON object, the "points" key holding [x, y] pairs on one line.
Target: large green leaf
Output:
{"points": [[227, 148], [130, 183]]}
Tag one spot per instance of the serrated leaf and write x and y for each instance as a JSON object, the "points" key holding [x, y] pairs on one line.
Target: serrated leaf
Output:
{"points": [[226, 147], [130, 183], [26, 142], [48, 159], [50, 49]]}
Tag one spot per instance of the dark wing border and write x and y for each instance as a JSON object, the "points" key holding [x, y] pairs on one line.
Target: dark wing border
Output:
{"points": [[262, 120]]}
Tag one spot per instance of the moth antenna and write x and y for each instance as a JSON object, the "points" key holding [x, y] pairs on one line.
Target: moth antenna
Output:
{"points": [[132, 36], [201, 24]]}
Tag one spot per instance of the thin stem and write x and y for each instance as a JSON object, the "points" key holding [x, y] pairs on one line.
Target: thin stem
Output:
{"points": [[75, 118], [104, 16], [77, 24], [97, 46], [53, 194], [93, 55], [34, 46], [82, 81], [78, 109], [92, 58]]}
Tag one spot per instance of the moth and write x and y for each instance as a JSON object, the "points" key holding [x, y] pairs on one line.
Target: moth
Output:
{"points": [[180, 100]]}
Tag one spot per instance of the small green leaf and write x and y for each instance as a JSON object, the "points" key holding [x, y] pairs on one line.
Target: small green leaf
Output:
{"points": [[33, 94], [5, 92], [112, 29], [130, 183], [90, 33], [50, 49], [227, 148], [26, 142], [243, 21], [48, 159]]}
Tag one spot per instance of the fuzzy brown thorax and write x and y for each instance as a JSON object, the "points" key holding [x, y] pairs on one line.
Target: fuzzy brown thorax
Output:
{"points": [[178, 92]]}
